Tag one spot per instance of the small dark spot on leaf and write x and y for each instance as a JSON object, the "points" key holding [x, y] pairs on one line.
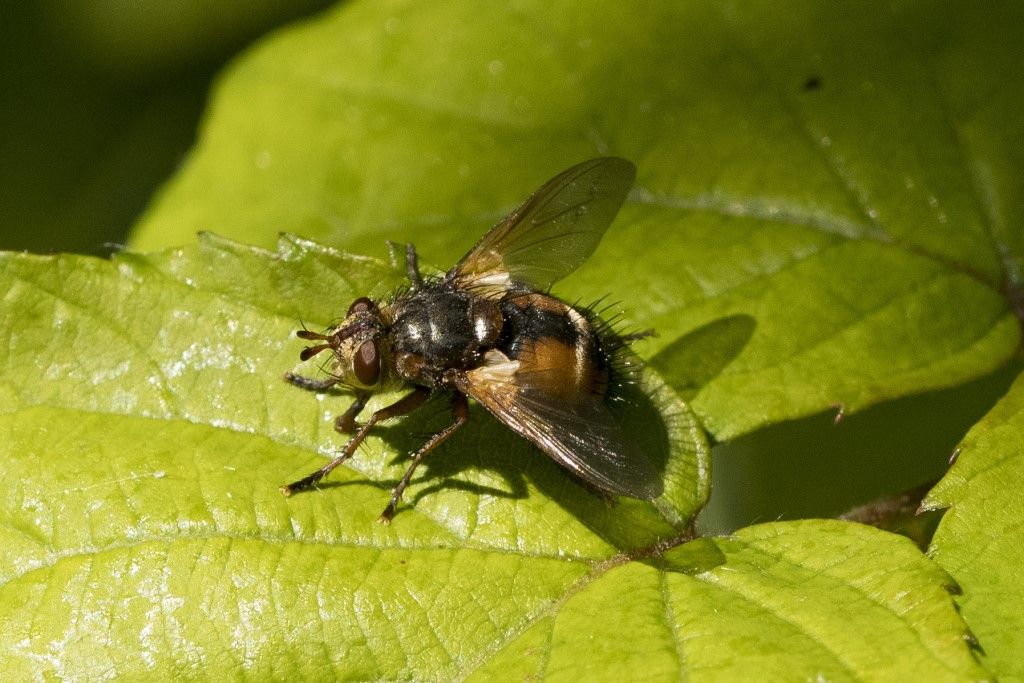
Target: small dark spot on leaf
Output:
{"points": [[812, 83]]}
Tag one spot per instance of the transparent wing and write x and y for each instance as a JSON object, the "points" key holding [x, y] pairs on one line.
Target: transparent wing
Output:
{"points": [[576, 429], [552, 232]]}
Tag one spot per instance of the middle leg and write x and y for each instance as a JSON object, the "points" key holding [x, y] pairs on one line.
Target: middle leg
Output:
{"points": [[403, 406], [460, 414]]}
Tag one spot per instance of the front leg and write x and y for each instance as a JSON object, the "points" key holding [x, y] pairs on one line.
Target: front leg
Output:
{"points": [[402, 406], [308, 383], [460, 415], [346, 422]]}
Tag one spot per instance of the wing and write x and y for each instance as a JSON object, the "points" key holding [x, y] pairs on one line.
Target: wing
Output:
{"points": [[551, 233], [574, 428]]}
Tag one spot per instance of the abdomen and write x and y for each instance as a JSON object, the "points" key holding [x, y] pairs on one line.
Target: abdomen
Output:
{"points": [[555, 343]]}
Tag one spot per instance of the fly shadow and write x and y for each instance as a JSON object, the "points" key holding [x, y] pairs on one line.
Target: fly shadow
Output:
{"points": [[442, 468], [694, 359], [486, 444]]}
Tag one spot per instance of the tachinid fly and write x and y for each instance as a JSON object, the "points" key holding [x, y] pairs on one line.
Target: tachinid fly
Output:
{"points": [[488, 330]]}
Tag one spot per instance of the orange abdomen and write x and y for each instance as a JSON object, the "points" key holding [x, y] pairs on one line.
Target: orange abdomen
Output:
{"points": [[555, 344]]}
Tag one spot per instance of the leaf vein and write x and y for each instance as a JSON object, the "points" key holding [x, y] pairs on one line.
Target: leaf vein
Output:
{"points": [[673, 624], [822, 572], [91, 314], [761, 606]]}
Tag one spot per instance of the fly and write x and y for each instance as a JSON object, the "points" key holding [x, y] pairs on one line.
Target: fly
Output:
{"points": [[488, 330]]}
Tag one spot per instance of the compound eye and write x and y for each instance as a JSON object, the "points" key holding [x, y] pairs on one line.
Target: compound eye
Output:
{"points": [[366, 363], [362, 305]]}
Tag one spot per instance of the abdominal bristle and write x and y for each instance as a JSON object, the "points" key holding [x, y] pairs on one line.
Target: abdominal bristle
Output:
{"points": [[624, 366]]}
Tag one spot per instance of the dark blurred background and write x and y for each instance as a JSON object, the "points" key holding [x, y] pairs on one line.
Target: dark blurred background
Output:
{"points": [[101, 101]]}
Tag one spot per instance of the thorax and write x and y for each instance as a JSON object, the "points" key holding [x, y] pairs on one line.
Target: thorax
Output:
{"points": [[438, 328]]}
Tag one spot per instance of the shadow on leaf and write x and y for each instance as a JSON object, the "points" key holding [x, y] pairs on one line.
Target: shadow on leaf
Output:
{"points": [[693, 557], [693, 360], [486, 444]]}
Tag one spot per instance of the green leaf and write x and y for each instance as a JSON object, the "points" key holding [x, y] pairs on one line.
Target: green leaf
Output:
{"points": [[144, 432], [145, 429], [204, 334], [850, 193], [979, 539], [786, 601]]}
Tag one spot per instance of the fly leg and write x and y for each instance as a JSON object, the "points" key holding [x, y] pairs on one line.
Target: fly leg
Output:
{"points": [[412, 266], [308, 383], [346, 422], [460, 414], [402, 406]]}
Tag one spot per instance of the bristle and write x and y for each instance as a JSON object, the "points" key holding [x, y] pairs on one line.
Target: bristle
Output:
{"points": [[624, 366], [323, 367]]}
